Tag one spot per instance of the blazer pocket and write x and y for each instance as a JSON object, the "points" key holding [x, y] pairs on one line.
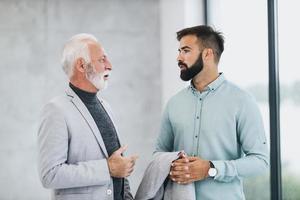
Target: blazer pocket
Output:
{"points": [[79, 190], [73, 197]]}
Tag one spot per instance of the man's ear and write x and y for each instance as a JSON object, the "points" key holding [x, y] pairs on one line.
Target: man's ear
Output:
{"points": [[80, 65], [208, 54]]}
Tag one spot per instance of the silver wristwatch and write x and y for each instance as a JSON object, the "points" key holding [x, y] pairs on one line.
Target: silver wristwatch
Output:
{"points": [[212, 172]]}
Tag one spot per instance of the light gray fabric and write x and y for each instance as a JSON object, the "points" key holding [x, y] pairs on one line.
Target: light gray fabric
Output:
{"points": [[72, 154], [152, 185]]}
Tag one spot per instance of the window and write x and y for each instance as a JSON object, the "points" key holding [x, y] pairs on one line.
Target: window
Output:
{"points": [[289, 74], [245, 62]]}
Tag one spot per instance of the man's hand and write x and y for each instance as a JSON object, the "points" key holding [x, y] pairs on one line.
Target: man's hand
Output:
{"points": [[180, 169], [189, 169], [120, 166]]}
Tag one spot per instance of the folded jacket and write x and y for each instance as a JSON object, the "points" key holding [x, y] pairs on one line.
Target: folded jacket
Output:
{"points": [[156, 185]]}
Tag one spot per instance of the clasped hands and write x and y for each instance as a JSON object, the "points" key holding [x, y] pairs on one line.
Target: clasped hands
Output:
{"points": [[187, 169]]}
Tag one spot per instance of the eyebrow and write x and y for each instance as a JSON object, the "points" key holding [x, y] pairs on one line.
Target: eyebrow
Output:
{"points": [[184, 47]]}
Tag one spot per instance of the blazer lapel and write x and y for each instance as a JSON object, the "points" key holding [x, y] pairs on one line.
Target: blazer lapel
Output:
{"points": [[87, 117]]}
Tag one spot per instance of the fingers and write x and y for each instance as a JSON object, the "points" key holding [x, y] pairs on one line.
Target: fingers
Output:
{"points": [[130, 171], [192, 159], [187, 169], [179, 174], [120, 150], [182, 154], [133, 158], [180, 171], [130, 163], [180, 162], [119, 165], [129, 167], [183, 178], [184, 168]]}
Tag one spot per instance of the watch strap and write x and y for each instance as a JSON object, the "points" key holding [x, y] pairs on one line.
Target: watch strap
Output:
{"points": [[211, 164]]}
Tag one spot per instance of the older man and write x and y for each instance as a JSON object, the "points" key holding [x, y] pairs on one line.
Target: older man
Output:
{"points": [[80, 155]]}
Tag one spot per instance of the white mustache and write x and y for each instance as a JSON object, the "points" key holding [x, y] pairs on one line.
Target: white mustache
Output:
{"points": [[107, 73]]}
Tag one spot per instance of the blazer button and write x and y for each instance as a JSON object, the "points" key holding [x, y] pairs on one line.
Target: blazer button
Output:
{"points": [[108, 192]]}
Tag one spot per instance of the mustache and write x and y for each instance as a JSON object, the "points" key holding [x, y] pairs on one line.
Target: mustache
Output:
{"points": [[182, 63]]}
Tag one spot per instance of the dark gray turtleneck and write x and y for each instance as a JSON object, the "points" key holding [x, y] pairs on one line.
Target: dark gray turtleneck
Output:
{"points": [[106, 128]]}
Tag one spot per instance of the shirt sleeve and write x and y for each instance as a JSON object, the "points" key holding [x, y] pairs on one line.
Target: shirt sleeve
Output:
{"points": [[251, 136], [165, 140]]}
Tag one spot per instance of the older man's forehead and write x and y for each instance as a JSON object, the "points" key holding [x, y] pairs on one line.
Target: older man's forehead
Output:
{"points": [[96, 50]]}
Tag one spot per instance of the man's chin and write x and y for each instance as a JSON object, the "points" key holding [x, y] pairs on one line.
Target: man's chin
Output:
{"points": [[184, 77], [102, 87]]}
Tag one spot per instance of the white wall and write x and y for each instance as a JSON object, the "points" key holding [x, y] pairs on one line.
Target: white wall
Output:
{"points": [[174, 16]]}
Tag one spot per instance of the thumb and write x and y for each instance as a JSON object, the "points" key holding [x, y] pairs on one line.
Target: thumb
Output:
{"points": [[191, 159], [120, 150]]}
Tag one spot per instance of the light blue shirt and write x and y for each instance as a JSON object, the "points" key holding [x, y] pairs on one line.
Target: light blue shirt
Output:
{"points": [[222, 124]]}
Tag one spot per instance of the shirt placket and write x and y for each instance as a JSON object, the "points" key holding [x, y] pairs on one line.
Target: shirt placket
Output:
{"points": [[198, 118]]}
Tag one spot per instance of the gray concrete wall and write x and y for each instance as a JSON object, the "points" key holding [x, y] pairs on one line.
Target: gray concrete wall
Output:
{"points": [[32, 33]]}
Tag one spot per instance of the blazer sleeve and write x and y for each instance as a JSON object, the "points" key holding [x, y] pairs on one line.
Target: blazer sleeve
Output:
{"points": [[54, 171]]}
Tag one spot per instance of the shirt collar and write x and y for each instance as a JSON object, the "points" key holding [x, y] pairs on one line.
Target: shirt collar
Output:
{"points": [[217, 83], [213, 85]]}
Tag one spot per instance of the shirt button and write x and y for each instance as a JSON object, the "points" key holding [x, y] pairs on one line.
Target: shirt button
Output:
{"points": [[200, 99], [108, 192], [197, 117], [196, 136]]}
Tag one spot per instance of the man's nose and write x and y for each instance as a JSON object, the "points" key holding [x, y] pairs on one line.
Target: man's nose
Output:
{"points": [[108, 65], [179, 58]]}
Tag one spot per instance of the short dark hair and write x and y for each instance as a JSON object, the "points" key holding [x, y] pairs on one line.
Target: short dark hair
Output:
{"points": [[208, 37]]}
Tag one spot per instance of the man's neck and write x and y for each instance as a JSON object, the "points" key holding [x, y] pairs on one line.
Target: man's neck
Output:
{"points": [[204, 78], [83, 85]]}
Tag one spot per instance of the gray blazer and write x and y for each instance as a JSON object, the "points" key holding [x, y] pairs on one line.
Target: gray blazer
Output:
{"points": [[156, 185], [72, 155]]}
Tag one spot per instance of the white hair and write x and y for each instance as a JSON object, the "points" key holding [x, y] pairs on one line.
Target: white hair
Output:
{"points": [[76, 47]]}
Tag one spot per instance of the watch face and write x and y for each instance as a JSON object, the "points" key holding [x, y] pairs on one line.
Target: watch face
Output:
{"points": [[212, 172]]}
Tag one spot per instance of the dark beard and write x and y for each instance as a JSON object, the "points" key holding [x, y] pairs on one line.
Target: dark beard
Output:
{"points": [[189, 73]]}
